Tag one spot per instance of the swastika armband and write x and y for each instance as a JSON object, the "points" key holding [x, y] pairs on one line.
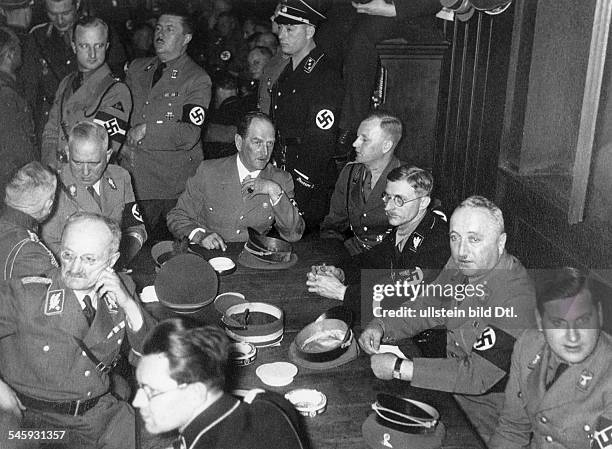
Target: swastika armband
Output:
{"points": [[495, 345], [194, 114], [325, 119], [115, 127], [131, 216]]}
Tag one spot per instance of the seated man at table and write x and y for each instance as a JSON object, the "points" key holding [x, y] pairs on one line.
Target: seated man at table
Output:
{"points": [[89, 183], [419, 240], [28, 201], [482, 280], [356, 209], [227, 195], [181, 377], [59, 337], [560, 389]]}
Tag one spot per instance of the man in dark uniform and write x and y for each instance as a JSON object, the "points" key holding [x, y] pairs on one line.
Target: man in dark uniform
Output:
{"points": [[228, 195], [357, 213], [60, 335], [17, 140], [560, 389], [418, 242], [479, 277], [89, 183], [171, 95], [90, 93], [48, 58], [28, 201], [181, 376], [306, 100]]}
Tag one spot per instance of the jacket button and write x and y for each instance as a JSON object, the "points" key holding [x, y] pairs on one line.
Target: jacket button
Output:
{"points": [[68, 62], [519, 394], [365, 228], [46, 348], [456, 343], [365, 215], [119, 341], [83, 354], [237, 231], [587, 428], [242, 217], [87, 373], [210, 209], [543, 420], [549, 438]]}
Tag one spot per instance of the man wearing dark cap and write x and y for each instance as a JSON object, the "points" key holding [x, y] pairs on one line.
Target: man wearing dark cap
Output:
{"points": [[171, 94], [560, 389], [305, 106]]}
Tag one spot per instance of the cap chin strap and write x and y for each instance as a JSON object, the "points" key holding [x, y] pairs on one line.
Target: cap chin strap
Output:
{"points": [[292, 17], [416, 422]]}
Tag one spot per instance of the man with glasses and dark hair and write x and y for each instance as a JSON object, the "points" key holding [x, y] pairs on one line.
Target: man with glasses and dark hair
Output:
{"points": [[228, 195], [356, 213], [181, 376], [560, 388], [480, 281], [418, 240], [59, 338]]}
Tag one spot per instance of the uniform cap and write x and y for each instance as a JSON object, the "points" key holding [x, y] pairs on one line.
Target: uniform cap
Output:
{"points": [[298, 12], [16, 4]]}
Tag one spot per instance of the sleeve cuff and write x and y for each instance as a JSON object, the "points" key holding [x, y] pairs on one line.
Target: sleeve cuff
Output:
{"points": [[195, 231]]}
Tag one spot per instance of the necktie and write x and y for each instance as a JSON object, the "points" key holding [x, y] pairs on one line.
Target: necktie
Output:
{"points": [[158, 73], [94, 194], [89, 310], [367, 185], [77, 81], [560, 370]]}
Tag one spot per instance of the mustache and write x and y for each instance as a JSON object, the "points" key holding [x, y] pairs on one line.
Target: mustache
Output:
{"points": [[79, 275]]}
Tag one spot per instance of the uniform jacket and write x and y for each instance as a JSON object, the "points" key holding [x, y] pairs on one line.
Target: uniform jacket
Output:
{"points": [[39, 318], [232, 424], [21, 251], [567, 415], [426, 248], [270, 74], [102, 98], [116, 202], [17, 138], [47, 59], [472, 366], [213, 201], [348, 210], [174, 111], [306, 107]]}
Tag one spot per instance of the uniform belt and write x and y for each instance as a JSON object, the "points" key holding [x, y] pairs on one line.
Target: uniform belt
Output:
{"points": [[74, 408]]}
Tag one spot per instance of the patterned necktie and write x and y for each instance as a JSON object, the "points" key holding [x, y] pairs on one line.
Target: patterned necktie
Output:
{"points": [[88, 311], [94, 195], [77, 81], [158, 73]]}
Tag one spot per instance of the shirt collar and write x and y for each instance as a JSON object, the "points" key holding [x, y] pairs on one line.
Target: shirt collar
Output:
{"points": [[20, 218], [243, 172], [92, 295]]}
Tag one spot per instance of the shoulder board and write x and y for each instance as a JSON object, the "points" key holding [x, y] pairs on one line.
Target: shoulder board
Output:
{"points": [[38, 27], [36, 280]]}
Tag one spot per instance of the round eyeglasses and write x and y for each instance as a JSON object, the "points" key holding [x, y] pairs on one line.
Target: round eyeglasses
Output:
{"points": [[150, 393], [397, 200]]}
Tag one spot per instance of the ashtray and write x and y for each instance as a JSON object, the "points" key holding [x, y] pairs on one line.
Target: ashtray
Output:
{"points": [[242, 354], [307, 402]]}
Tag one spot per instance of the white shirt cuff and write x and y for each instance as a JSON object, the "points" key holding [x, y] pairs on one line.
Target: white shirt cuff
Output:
{"points": [[195, 231]]}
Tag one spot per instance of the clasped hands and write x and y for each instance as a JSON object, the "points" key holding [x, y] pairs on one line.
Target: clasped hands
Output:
{"points": [[326, 281]]}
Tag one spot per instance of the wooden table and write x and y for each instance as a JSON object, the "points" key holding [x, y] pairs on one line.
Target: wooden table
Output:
{"points": [[351, 388]]}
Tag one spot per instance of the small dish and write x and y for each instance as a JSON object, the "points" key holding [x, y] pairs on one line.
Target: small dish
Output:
{"points": [[222, 265], [277, 374], [307, 402]]}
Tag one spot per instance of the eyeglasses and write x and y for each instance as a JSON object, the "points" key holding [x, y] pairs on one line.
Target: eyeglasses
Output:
{"points": [[397, 200], [150, 393]]}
